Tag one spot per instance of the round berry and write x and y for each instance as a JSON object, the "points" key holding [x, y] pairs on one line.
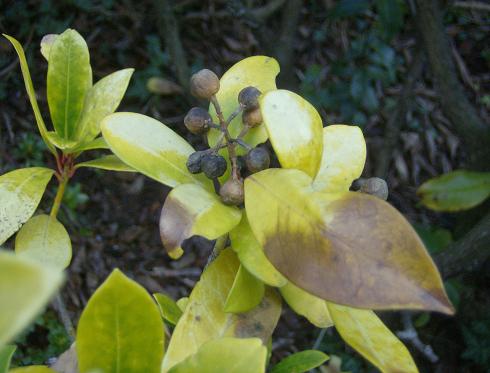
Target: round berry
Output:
{"points": [[248, 98], [197, 120], [252, 118], [231, 192], [194, 162], [204, 84], [257, 159], [213, 165]]}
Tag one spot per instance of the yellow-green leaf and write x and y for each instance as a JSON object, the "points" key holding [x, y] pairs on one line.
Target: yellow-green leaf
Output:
{"points": [[30, 91], [60, 142], [204, 317], [300, 362], [20, 193], [256, 71], [151, 148], [307, 305], [33, 369], [367, 334], [246, 292], [46, 44], [123, 321], [344, 155], [98, 143], [102, 99], [107, 162], [25, 288], [69, 79], [182, 303], [230, 355], [6, 353], [349, 248], [454, 191], [295, 130], [43, 238], [168, 308], [191, 210], [252, 256]]}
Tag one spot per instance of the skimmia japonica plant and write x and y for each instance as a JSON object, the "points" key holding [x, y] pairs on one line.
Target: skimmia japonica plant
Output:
{"points": [[294, 232]]}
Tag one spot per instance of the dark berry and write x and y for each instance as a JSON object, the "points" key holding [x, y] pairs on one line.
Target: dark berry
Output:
{"points": [[213, 165], [252, 118], [231, 192], [194, 162], [204, 84], [197, 120], [257, 159], [249, 98]]}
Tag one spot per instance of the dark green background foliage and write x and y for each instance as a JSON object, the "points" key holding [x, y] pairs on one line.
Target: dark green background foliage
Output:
{"points": [[350, 58]]}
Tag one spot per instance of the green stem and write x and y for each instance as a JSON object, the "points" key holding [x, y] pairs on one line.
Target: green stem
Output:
{"points": [[59, 196]]}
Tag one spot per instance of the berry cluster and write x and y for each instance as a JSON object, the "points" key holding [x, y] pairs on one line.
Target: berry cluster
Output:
{"points": [[204, 85]]}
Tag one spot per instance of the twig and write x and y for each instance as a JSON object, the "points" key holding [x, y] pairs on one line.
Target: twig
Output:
{"points": [[60, 307], [219, 246], [476, 5], [410, 334]]}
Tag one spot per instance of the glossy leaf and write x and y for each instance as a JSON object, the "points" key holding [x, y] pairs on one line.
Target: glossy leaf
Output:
{"points": [[349, 248], [344, 155], [30, 92], [246, 292], [168, 308], [454, 191], [33, 369], [191, 210], [307, 305], [107, 162], [230, 355], [25, 288], [300, 362], [295, 130], [98, 143], [46, 44], [45, 239], [151, 148], [69, 78], [204, 317], [252, 256], [102, 99], [60, 142], [123, 321], [6, 353], [20, 193], [366, 333], [256, 71]]}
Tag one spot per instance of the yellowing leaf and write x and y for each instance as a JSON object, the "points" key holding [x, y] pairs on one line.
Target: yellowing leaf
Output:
{"points": [[365, 332], [454, 191], [344, 155], [69, 78], [30, 91], [256, 71], [25, 288], [246, 292], [98, 143], [102, 99], [151, 148], [33, 369], [307, 305], [191, 210], [230, 355], [123, 322], [60, 142], [20, 193], [168, 308], [107, 162], [46, 44], [349, 248], [295, 130], [182, 303], [43, 238], [204, 317], [6, 353], [300, 362], [252, 256]]}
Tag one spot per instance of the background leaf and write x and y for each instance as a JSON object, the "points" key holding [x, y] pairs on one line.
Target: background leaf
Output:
{"points": [[69, 78], [45, 239], [107, 162], [20, 193], [123, 321], [6, 353], [25, 288], [168, 308], [246, 292], [300, 362]]}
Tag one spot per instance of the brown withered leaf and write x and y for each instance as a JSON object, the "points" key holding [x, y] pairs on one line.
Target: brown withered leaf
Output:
{"points": [[349, 248]]}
